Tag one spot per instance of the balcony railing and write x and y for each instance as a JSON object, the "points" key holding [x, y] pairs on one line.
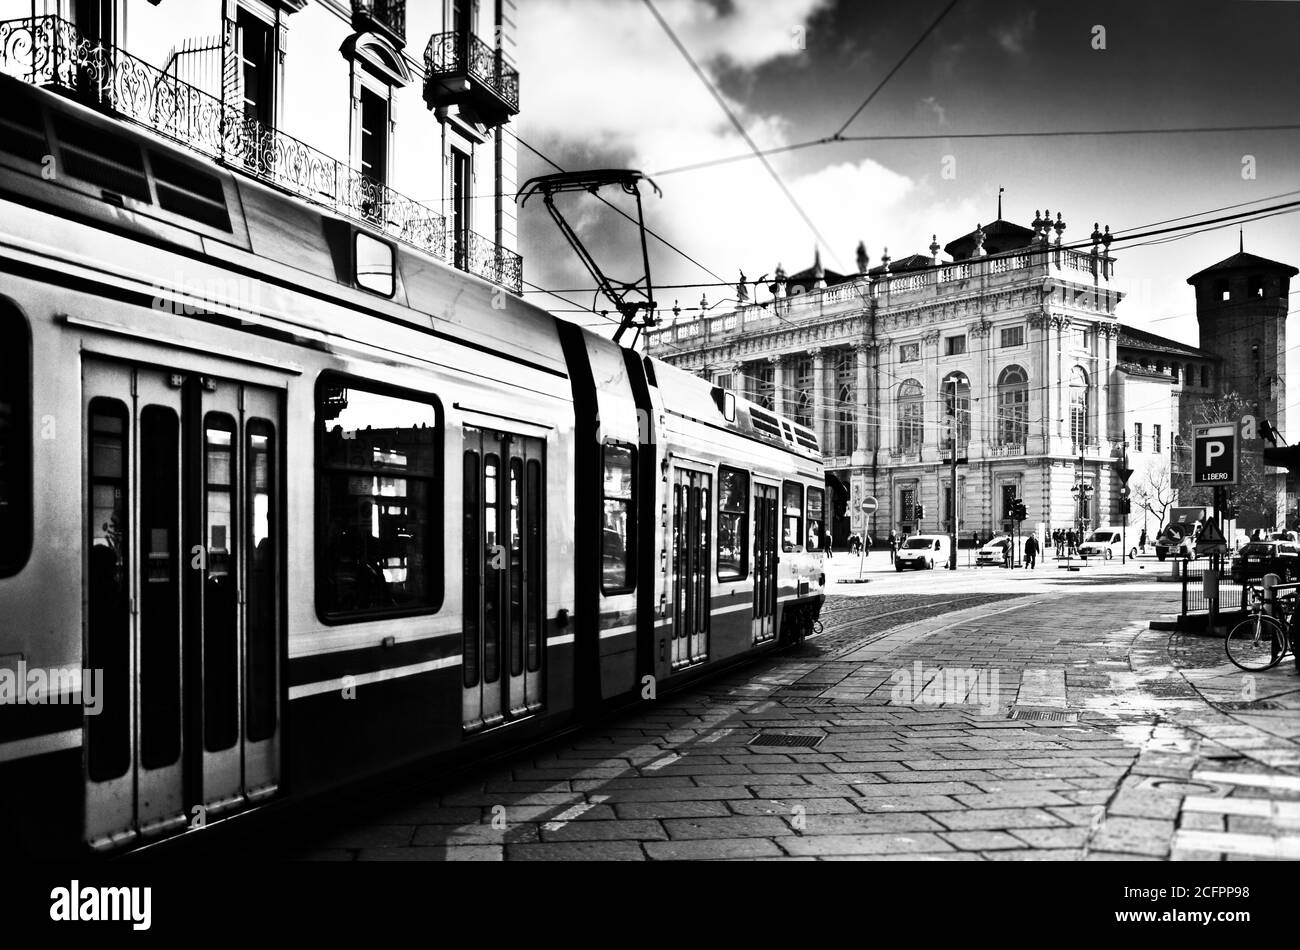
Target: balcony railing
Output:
{"points": [[388, 14], [1005, 449], [460, 67], [48, 51]]}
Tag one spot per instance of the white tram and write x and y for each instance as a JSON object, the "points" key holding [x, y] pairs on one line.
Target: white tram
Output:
{"points": [[284, 505]]}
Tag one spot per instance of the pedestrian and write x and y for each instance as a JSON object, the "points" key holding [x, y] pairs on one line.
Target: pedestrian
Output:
{"points": [[975, 539], [865, 548], [893, 545], [1142, 542], [855, 544], [1069, 542], [826, 545], [1006, 553], [1031, 552]]}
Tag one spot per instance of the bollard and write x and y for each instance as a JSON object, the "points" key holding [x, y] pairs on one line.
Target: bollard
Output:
{"points": [[1270, 594]]}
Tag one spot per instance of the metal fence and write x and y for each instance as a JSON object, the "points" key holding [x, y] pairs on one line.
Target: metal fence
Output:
{"points": [[1231, 594]]}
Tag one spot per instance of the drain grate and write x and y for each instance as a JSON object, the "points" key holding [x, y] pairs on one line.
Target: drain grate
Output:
{"points": [[1249, 705], [802, 687], [1044, 715], [806, 701], [785, 739]]}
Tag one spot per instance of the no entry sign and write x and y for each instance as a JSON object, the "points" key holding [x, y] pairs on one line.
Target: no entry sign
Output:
{"points": [[1214, 455]]}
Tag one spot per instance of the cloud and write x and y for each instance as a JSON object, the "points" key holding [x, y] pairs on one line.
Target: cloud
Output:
{"points": [[1013, 36]]}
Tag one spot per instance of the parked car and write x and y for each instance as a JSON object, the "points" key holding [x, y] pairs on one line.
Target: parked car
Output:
{"points": [[923, 551], [993, 552], [1258, 558], [1105, 542], [1170, 541]]}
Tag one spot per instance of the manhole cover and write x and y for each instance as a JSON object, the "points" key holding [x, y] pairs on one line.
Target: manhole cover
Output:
{"points": [[1173, 786], [1044, 715], [785, 739]]}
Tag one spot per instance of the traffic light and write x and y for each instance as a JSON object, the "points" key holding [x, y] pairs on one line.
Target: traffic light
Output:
{"points": [[1125, 506], [1018, 512], [920, 512], [1287, 457], [1230, 510]]}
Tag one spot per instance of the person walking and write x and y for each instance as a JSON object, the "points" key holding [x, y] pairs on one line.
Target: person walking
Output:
{"points": [[1069, 542], [1031, 552], [893, 545], [1142, 542], [865, 546], [826, 545]]}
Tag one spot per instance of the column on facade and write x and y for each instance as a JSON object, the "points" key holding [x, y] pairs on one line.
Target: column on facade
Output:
{"points": [[983, 388], [818, 402], [932, 424], [781, 403], [861, 430]]}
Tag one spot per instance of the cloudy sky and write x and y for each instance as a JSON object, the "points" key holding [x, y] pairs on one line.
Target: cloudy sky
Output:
{"points": [[605, 87]]}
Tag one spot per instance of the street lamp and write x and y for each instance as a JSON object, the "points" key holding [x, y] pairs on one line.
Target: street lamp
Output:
{"points": [[955, 379]]}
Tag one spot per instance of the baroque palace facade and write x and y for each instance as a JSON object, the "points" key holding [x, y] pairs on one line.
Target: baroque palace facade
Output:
{"points": [[1052, 392]]}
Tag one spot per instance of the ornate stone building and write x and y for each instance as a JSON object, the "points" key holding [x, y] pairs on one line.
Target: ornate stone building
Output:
{"points": [[1051, 391], [1019, 327]]}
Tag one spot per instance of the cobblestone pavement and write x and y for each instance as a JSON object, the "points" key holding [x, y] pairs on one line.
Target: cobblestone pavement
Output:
{"points": [[990, 726]]}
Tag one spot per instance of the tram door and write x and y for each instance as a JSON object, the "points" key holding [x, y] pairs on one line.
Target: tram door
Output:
{"points": [[183, 597], [765, 561], [503, 572], [692, 510]]}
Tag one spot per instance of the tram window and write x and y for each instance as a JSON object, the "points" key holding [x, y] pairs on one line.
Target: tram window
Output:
{"points": [[15, 444], [108, 610], [160, 582], [733, 524], [793, 532], [376, 267], [471, 568], [261, 514], [619, 524], [533, 565], [220, 588], [816, 517], [378, 498]]}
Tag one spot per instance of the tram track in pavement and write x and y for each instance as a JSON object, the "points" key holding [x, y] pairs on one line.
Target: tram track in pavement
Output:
{"points": [[844, 619]]}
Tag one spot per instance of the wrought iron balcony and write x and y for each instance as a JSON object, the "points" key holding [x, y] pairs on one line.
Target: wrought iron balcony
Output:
{"points": [[382, 16], [48, 51], [460, 69]]}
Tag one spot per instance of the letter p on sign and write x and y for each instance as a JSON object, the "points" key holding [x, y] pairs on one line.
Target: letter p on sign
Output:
{"points": [[1215, 455]]}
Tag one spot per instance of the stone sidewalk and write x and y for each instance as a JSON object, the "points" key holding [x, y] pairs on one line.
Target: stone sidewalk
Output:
{"points": [[1028, 728]]}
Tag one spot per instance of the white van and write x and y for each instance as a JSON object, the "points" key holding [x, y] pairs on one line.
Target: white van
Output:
{"points": [[924, 551], [1106, 542]]}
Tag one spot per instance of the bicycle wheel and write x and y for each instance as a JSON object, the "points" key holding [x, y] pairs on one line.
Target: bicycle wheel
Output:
{"points": [[1256, 644]]}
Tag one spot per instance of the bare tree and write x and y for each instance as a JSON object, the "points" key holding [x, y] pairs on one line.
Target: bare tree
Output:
{"points": [[1155, 493], [1253, 491]]}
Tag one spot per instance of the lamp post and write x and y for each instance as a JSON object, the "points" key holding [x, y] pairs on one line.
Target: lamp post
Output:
{"points": [[954, 379]]}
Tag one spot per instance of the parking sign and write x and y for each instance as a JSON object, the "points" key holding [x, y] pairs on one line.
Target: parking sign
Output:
{"points": [[1214, 455]]}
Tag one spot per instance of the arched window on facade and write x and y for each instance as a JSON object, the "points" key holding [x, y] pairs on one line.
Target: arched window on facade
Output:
{"points": [[1013, 407], [803, 396], [1080, 428], [911, 417], [962, 411], [845, 377]]}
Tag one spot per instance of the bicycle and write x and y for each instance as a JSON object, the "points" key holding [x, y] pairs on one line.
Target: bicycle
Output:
{"points": [[1259, 642]]}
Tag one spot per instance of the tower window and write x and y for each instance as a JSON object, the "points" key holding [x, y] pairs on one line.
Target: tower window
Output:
{"points": [[1205, 377]]}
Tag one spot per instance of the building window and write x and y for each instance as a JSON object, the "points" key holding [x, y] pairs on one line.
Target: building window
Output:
{"points": [[378, 501], [909, 352], [954, 345], [1013, 336], [255, 39], [803, 392], [459, 209], [762, 385], [374, 136], [1155, 439], [1082, 338], [15, 443], [961, 410], [1013, 406], [907, 504], [1080, 430], [845, 377], [733, 524], [911, 417], [617, 574], [724, 381], [1205, 377], [1137, 437]]}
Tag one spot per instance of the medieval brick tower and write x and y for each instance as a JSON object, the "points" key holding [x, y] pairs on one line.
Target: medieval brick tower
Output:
{"points": [[1241, 306]]}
